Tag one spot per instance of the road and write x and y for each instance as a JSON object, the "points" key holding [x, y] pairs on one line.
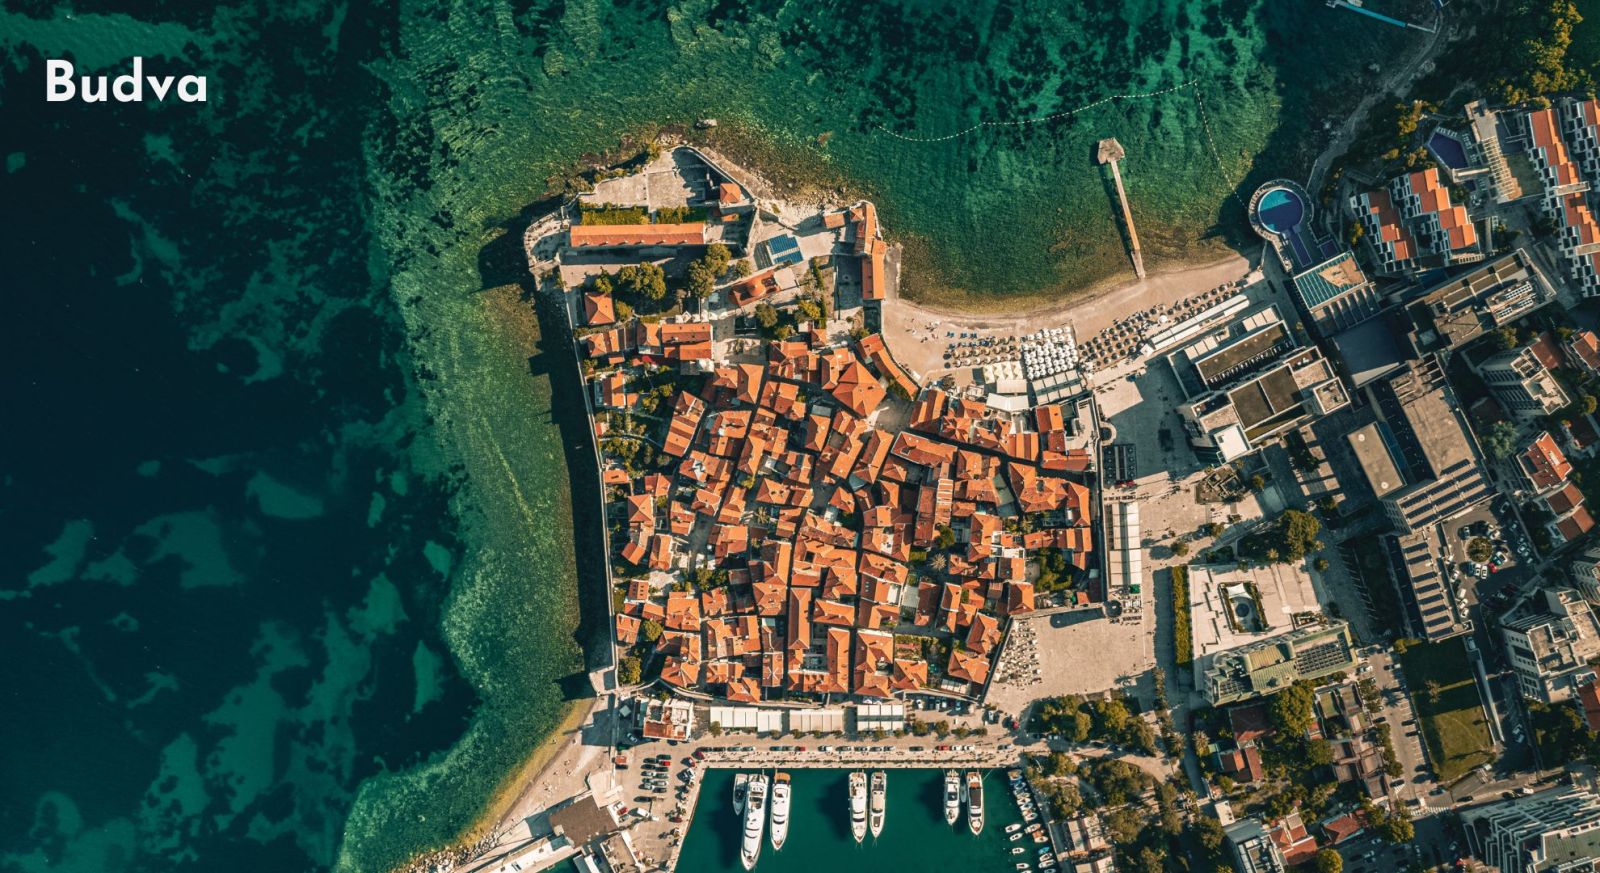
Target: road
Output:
{"points": [[1392, 87]]}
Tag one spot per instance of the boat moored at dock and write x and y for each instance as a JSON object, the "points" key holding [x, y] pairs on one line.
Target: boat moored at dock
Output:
{"points": [[858, 805], [741, 788], [879, 801], [780, 810], [975, 802], [952, 796], [755, 821]]}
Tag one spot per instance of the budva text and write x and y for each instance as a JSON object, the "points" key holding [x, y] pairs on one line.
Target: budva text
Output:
{"points": [[127, 88]]}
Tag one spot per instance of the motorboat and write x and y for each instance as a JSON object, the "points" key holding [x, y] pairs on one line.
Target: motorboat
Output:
{"points": [[741, 787], [952, 796], [780, 810], [1013, 828], [755, 821], [974, 802], [858, 805], [1016, 850], [878, 801]]}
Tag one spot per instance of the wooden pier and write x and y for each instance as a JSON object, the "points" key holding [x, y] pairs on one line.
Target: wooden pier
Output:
{"points": [[1110, 153]]}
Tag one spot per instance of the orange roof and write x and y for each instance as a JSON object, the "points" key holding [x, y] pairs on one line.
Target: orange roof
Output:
{"points": [[1585, 346], [598, 309], [1575, 525], [1391, 235], [1543, 463], [607, 235], [857, 389], [1589, 699], [728, 194], [970, 666]]}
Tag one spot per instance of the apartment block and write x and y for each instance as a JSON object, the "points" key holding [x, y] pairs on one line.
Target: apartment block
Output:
{"points": [[1552, 642]]}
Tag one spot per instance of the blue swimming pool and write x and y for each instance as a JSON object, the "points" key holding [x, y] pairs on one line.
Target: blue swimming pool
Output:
{"points": [[1448, 150], [1281, 210]]}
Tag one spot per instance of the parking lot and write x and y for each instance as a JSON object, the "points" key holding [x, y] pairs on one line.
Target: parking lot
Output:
{"points": [[1416, 778]]}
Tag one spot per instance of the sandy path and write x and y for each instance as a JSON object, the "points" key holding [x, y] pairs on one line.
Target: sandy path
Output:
{"points": [[916, 333]]}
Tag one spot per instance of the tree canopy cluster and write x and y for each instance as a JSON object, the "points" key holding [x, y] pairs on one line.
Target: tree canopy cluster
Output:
{"points": [[1286, 540], [1081, 721]]}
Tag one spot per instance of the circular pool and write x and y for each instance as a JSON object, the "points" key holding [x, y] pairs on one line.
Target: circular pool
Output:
{"points": [[1281, 210]]}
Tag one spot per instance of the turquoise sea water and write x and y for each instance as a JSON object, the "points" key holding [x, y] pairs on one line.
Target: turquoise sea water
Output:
{"points": [[915, 836], [290, 575]]}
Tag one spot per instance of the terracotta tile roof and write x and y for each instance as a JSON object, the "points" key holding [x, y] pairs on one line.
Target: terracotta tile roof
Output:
{"points": [[686, 414], [854, 386], [1589, 700], [627, 629], [1019, 598], [598, 309], [1392, 235], [608, 235], [1575, 525], [1543, 463], [984, 634], [923, 451], [683, 611], [1584, 347], [969, 666]]}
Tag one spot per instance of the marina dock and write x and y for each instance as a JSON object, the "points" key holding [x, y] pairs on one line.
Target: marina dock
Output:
{"points": [[1111, 152]]}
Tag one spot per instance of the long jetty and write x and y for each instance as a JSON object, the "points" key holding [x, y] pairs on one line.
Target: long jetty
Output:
{"points": [[1111, 152]]}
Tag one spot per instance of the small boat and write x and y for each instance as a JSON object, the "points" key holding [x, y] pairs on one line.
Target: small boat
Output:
{"points": [[879, 802], [780, 810], [858, 805], [755, 821], [741, 787], [952, 797], [1023, 867], [974, 802], [1014, 837], [1035, 828], [1013, 828], [1014, 775], [1016, 850]]}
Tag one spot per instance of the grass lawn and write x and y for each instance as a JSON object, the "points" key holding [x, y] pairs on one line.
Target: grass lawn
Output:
{"points": [[1454, 727]]}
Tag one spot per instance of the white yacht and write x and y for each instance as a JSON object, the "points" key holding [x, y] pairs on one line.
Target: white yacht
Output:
{"points": [[879, 800], [741, 787], [858, 805], [974, 802], [755, 821], [952, 796], [780, 810]]}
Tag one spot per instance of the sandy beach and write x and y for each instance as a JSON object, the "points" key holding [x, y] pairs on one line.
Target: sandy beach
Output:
{"points": [[554, 771], [917, 333]]}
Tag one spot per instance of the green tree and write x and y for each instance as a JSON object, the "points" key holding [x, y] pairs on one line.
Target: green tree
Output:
{"points": [[766, 315], [1180, 548], [1257, 483], [701, 280], [1291, 709], [1479, 549], [650, 630], [645, 279], [601, 284], [1328, 861], [628, 671]]}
